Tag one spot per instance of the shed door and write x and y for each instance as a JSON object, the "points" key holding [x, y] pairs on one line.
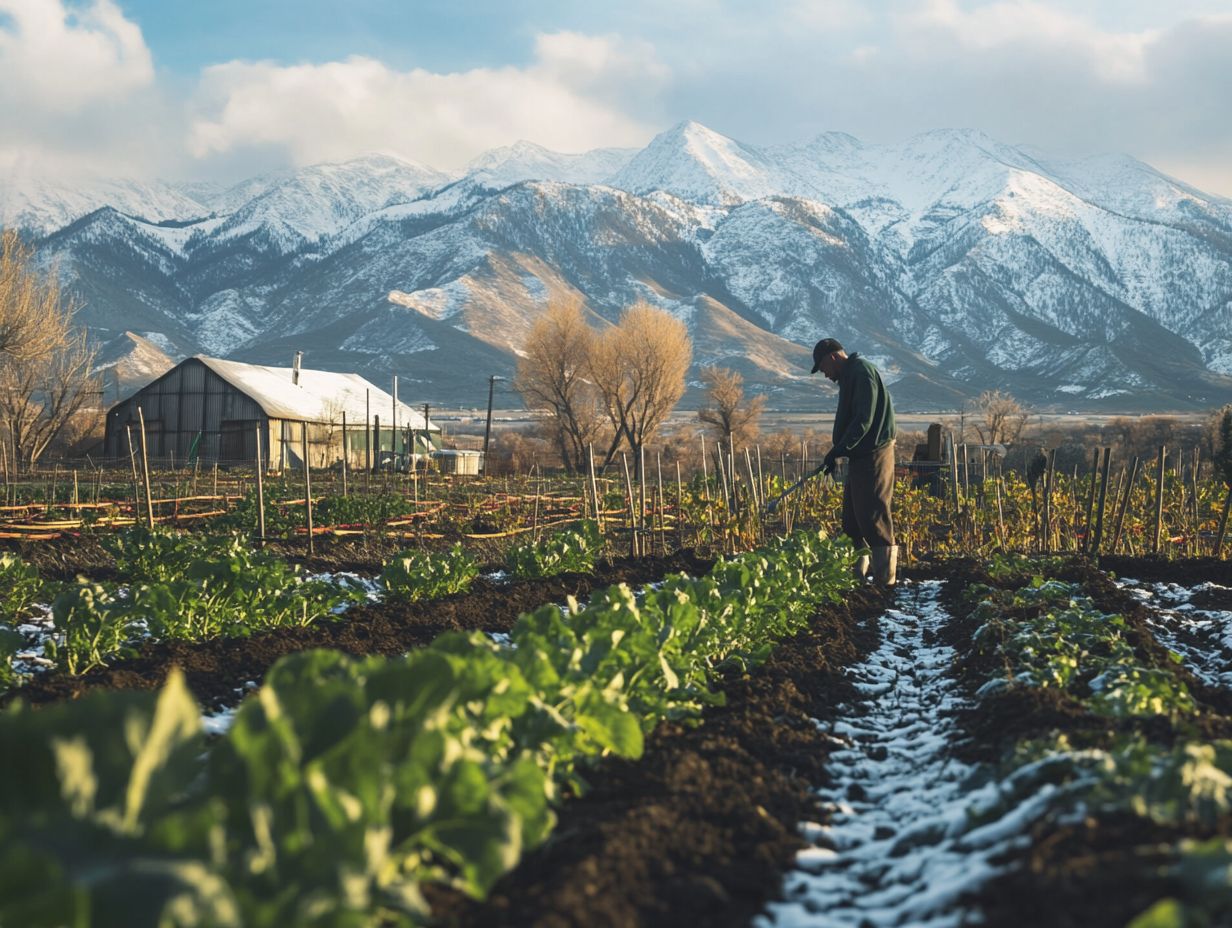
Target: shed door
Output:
{"points": [[239, 439]]}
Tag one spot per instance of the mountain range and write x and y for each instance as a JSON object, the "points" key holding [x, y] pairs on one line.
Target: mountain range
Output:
{"points": [[956, 262]]}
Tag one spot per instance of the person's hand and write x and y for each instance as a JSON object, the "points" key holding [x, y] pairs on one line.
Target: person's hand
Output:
{"points": [[828, 463]]}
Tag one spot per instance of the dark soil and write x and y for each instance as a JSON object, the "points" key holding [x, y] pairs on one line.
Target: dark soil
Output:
{"points": [[217, 668], [66, 557], [1099, 873], [1188, 572], [700, 830]]}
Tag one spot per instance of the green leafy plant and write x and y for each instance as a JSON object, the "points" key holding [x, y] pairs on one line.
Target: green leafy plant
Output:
{"points": [[92, 625], [190, 588], [20, 588], [572, 551], [416, 575]]}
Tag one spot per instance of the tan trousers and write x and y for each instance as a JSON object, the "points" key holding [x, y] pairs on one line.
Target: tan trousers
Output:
{"points": [[866, 499]]}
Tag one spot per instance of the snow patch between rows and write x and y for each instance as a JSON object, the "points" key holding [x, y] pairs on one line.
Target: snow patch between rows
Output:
{"points": [[912, 830]]}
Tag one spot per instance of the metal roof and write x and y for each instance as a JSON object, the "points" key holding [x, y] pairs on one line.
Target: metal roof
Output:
{"points": [[320, 396]]}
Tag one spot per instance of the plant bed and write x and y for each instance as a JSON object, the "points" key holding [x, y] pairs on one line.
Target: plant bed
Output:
{"points": [[216, 668], [67, 557], [1137, 750], [703, 826]]}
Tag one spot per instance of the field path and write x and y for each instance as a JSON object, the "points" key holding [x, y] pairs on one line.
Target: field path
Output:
{"points": [[900, 847]]}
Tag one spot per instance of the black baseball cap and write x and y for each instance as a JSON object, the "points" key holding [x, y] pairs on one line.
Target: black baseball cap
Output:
{"points": [[821, 349]]}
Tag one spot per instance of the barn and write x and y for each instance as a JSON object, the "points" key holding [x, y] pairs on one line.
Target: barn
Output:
{"points": [[210, 409]]}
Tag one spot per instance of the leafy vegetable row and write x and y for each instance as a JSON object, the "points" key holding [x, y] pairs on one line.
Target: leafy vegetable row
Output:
{"points": [[345, 785], [1047, 634], [196, 587]]}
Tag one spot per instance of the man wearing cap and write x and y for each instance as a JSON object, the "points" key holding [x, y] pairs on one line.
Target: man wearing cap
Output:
{"points": [[864, 434]]}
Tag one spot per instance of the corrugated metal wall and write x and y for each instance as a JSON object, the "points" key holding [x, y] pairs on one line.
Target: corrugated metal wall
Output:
{"points": [[188, 405]]}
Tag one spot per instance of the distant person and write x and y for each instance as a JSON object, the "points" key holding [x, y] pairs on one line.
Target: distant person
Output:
{"points": [[864, 433]]}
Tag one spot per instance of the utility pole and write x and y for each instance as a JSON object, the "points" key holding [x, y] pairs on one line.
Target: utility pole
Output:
{"points": [[487, 429]]}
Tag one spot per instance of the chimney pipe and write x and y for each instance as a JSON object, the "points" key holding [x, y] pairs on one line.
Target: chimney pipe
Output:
{"points": [[299, 356]]}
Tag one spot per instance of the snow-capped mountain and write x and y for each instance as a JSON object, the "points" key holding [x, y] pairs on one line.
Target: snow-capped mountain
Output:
{"points": [[501, 167], [958, 262], [39, 206]]}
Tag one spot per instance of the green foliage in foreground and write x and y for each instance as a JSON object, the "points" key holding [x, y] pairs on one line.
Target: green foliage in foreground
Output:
{"points": [[416, 575], [189, 587], [344, 785], [570, 551]]}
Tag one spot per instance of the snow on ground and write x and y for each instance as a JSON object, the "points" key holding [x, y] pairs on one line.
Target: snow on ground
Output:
{"points": [[1203, 637], [38, 628], [912, 829]]}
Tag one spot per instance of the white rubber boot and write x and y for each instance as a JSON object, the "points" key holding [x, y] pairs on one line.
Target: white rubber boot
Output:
{"points": [[885, 565], [861, 567]]}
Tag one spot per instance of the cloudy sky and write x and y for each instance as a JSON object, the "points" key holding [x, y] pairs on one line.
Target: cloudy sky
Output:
{"points": [[220, 89]]}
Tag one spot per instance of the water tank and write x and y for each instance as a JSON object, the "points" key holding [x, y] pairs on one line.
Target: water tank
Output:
{"points": [[461, 463]]}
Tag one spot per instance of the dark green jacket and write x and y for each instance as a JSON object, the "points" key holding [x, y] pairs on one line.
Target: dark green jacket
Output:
{"points": [[865, 417]]}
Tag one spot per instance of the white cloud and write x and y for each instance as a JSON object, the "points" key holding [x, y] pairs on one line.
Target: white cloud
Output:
{"points": [[59, 58], [1035, 27], [571, 98]]}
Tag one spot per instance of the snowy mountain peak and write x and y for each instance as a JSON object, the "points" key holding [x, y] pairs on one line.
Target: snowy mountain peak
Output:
{"points": [[699, 164]]}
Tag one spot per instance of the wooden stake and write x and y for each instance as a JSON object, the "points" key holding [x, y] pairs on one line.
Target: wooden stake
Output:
{"points": [[346, 465], [679, 507], [718, 457], [145, 473], [260, 489], [1000, 512], [1125, 499], [1103, 496], [594, 486], [731, 472], [624, 460], [1049, 473], [753, 483], [535, 523], [132, 460], [1087, 533], [1159, 498], [307, 488], [659, 485]]}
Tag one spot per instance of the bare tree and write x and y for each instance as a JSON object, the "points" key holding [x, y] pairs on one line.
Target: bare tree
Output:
{"points": [[552, 377], [34, 319], [1001, 418], [39, 397], [729, 415], [639, 367]]}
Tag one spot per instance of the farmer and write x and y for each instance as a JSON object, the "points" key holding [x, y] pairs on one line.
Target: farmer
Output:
{"points": [[864, 434]]}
